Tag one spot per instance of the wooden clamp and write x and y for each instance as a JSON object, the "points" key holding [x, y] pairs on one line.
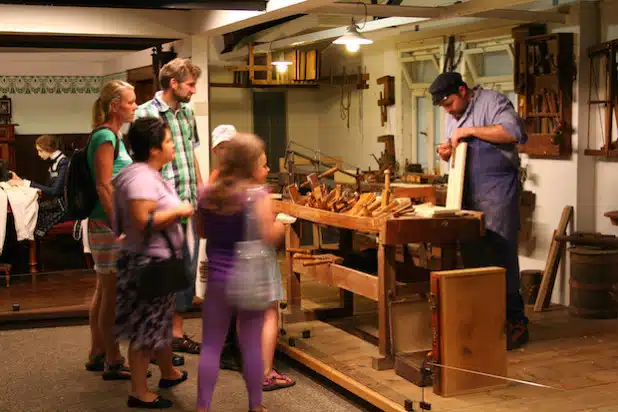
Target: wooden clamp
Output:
{"points": [[388, 98]]}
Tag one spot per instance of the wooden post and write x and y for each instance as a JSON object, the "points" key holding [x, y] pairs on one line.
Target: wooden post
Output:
{"points": [[32, 258], [346, 298], [292, 240], [386, 293]]}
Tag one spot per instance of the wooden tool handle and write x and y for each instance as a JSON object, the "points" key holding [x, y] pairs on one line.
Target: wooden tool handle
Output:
{"points": [[387, 188], [317, 262], [298, 250], [329, 172], [303, 256]]}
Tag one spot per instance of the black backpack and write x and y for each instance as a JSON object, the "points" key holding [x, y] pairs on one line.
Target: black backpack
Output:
{"points": [[80, 192]]}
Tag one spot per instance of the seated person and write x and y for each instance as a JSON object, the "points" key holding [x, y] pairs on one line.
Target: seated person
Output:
{"points": [[51, 210]]}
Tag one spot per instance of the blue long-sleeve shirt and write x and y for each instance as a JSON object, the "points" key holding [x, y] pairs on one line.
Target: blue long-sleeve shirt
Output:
{"points": [[57, 172]]}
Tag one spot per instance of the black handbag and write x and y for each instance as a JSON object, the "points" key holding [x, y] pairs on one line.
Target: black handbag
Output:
{"points": [[161, 277]]}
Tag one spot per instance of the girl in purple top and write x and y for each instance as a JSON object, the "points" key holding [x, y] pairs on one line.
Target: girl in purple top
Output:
{"points": [[142, 195], [221, 221]]}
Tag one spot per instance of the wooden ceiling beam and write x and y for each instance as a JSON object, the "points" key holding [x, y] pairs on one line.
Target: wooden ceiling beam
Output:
{"points": [[89, 21], [383, 10], [379, 10], [472, 7], [218, 22], [79, 42]]}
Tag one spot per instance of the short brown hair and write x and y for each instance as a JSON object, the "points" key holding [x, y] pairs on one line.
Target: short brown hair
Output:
{"points": [[178, 69], [47, 142]]}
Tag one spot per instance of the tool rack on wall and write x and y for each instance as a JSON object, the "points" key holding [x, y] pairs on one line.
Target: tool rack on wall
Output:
{"points": [[544, 75], [603, 81]]}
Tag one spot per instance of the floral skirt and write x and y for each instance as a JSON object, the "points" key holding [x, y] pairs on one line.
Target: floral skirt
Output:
{"points": [[51, 212], [146, 325]]}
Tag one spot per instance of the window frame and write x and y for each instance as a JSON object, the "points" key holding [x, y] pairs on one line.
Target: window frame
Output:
{"points": [[466, 67]]}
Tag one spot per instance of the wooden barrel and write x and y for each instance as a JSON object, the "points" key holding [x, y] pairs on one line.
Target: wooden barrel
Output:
{"points": [[530, 284], [593, 283]]}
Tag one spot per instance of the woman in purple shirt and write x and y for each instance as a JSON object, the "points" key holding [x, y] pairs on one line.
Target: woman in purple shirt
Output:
{"points": [[143, 198], [221, 211]]}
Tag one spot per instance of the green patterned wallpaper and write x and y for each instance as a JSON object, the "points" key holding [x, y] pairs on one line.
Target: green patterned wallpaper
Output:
{"points": [[55, 84]]}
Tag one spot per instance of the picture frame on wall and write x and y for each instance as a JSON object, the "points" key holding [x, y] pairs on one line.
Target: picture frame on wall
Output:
{"points": [[5, 109]]}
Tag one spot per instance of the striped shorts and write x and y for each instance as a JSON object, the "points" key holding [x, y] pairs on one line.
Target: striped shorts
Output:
{"points": [[104, 246]]}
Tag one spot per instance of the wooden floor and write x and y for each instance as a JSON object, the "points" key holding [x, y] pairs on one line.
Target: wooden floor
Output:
{"points": [[578, 358], [65, 293]]}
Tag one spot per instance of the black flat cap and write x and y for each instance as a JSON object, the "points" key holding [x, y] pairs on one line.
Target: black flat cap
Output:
{"points": [[444, 85]]}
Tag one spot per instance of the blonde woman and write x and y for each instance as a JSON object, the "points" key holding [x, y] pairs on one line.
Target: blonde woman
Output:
{"points": [[113, 108]]}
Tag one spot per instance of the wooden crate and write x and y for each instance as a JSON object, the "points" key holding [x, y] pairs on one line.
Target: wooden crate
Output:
{"points": [[469, 314]]}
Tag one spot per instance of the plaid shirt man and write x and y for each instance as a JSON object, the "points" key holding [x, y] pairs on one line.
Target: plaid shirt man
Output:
{"points": [[181, 171]]}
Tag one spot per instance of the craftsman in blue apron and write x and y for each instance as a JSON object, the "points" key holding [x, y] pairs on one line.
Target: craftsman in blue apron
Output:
{"points": [[488, 122]]}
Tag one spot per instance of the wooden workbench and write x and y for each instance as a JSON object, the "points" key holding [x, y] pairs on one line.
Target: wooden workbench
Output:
{"points": [[393, 280]]}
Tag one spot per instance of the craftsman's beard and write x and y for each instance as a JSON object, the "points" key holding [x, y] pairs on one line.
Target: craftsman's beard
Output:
{"points": [[457, 115]]}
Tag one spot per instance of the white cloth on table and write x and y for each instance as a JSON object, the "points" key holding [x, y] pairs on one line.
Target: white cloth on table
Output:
{"points": [[24, 203]]}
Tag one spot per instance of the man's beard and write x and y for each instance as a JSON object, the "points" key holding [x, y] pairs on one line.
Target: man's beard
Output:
{"points": [[182, 99]]}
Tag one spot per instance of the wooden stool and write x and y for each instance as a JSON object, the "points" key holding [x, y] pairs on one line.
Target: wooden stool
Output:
{"points": [[6, 268]]}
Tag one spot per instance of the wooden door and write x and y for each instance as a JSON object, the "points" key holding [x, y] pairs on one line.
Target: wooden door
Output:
{"points": [[270, 123], [143, 80], [144, 90]]}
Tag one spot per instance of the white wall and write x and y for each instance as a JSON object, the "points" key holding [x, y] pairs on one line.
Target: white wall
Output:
{"points": [[229, 105], [65, 111], [356, 143], [51, 92]]}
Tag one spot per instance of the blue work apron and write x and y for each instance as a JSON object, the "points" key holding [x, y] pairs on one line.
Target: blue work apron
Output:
{"points": [[491, 183], [492, 186]]}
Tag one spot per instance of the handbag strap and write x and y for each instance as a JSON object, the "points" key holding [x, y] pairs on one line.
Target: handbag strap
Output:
{"points": [[252, 228], [163, 232]]}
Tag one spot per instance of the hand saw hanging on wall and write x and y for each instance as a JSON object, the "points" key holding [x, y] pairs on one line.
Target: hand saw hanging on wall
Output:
{"points": [[450, 64]]}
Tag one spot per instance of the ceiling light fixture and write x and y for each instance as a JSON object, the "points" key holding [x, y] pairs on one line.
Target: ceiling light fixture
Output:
{"points": [[281, 64], [352, 39]]}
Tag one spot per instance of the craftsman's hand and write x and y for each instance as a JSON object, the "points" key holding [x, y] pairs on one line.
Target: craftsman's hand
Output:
{"points": [[445, 150], [459, 134]]}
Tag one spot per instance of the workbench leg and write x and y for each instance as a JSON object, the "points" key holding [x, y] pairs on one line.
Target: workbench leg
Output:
{"points": [[292, 240], [317, 239], [449, 257], [386, 293], [346, 298]]}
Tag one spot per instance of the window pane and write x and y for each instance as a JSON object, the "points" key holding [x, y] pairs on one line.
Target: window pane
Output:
{"points": [[497, 63]]}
